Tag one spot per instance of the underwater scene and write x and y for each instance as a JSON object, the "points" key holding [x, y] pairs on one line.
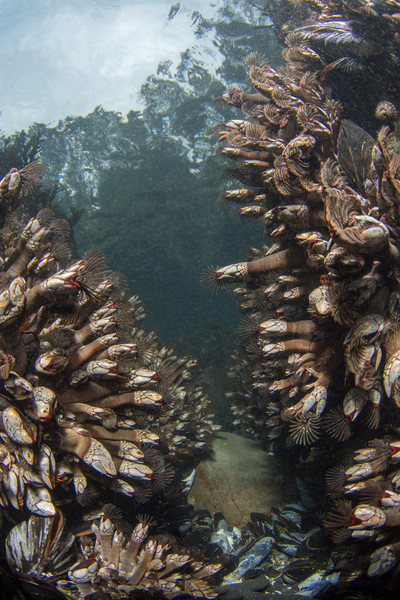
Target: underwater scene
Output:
{"points": [[199, 311]]}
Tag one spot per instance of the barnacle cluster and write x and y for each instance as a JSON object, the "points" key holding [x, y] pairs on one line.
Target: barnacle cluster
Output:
{"points": [[325, 292], [278, 149], [321, 299], [124, 565], [355, 45], [365, 500], [75, 380], [115, 560], [90, 405]]}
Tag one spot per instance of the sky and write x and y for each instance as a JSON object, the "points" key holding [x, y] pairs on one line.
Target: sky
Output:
{"points": [[62, 58]]}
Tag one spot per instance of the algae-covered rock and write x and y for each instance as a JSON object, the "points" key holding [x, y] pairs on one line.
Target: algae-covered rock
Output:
{"points": [[241, 478]]}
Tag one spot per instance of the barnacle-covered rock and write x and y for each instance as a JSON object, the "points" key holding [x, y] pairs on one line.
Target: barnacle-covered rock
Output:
{"points": [[86, 394], [321, 298], [184, 422], [135, 565], [290, 342], [318, 299], [111, 559], [365, 511], [344, 41]]}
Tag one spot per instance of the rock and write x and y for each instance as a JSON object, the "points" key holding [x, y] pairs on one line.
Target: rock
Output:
{"points": [[240, 479]]}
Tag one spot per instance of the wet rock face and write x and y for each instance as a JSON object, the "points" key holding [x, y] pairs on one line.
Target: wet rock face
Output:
{"points": [[241, 478]]}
